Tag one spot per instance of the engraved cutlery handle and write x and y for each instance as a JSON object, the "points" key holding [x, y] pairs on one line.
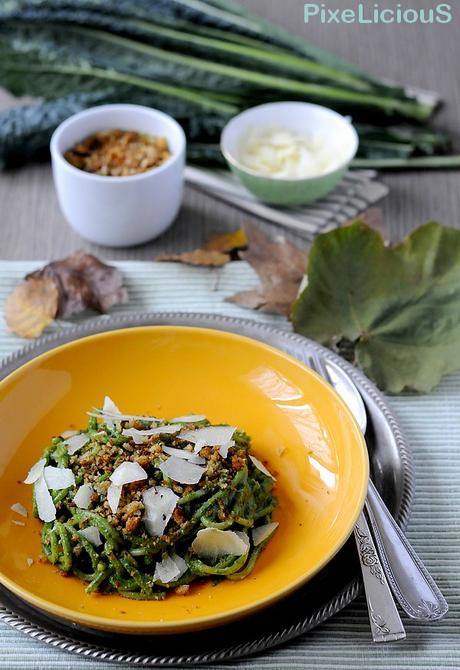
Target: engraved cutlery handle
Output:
{"points": [[386, 624], [410, 581]]}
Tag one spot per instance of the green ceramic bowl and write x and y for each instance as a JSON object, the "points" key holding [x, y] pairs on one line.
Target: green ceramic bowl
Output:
{"points": [[305, 119]]}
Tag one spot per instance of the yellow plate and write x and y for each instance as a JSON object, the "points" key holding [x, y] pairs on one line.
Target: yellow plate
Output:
{"points": [[299, 426]]}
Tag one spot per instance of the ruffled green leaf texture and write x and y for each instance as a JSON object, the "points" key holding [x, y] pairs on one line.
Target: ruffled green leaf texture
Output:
{"points": [[398, 307]]}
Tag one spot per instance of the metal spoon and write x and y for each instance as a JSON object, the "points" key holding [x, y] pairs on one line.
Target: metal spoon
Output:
{"points": [[411, 583]]}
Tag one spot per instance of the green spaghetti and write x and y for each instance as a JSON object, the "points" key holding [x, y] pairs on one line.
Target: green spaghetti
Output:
{"points": [[144, 507]]}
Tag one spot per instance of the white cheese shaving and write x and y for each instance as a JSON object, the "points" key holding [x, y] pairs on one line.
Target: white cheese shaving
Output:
{"points": [[209, 436], [92, 534], [186, 455], [182, 471], [260, 466], [128, 472], [211, 543], [29, 561], [244, 537], [159, 503], [140, 436], [58, 478], [18, 523], [69, 433], [35, 471], [181, 564], [223, 449], [113, 497], [82, 498], [45, 506], [110, 413], [108, 408], [19, 509], [262, 533], [170, 569], [75, 443], [189, 418], [278, 151], [199, 444], [125, 417]]}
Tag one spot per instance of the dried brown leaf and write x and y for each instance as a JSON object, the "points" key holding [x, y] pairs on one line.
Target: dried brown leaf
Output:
{"points": [[280, 266], [32, 306], [84, 282], [228, 243], [198, 257]]}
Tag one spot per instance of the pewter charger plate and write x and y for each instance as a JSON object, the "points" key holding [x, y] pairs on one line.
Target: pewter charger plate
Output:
{"points": [[322, 597]]}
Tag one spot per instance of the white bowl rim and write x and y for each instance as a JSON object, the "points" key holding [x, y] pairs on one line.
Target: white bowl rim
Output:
{"points": [[236, 119], [57, 155]]}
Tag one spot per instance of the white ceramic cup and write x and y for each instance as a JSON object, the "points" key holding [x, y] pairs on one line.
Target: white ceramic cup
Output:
{"points": [[119, 211]]}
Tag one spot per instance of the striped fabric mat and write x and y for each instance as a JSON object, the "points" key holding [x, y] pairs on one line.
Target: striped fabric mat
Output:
{"points": [[432, 424], [358, 190]]}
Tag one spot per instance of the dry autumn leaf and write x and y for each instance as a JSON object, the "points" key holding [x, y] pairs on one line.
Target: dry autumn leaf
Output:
{"points": [[32, 306], [84, 282], [61, 289], [198, 257], [217, 251], [228, 243], [280, 266]]}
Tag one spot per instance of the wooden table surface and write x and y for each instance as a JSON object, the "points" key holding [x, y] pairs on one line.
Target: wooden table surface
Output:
{"points": [[32, 227]]}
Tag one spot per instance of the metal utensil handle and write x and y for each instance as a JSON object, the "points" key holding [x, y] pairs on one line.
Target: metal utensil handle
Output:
{"points": [[411, 583], [386, 624], [384, 619]]}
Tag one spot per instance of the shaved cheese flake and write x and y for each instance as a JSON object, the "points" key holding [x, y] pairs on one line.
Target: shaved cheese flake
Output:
{"points": [[45, 506], [110, 413], [182, 471], [244, 538], [18, 523], [58, 478], [211, 543], [199, 446], [262, 533], [127, 417], [209, 436], [159, 503], [260, 466], [19, 509], [189, 418], [223, 450], [92, 534], [128, 472], [170, 569], [109, 408], [82, 498], [166, 571], [140, 436], [29, 561], [113, 497], [35, 471], [68, 433], [186, 455], [181, 564], [75, 443]]}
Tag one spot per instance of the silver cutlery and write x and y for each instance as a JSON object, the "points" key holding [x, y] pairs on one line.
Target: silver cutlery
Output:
{"points": [[384, 619], [411, 583]]}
